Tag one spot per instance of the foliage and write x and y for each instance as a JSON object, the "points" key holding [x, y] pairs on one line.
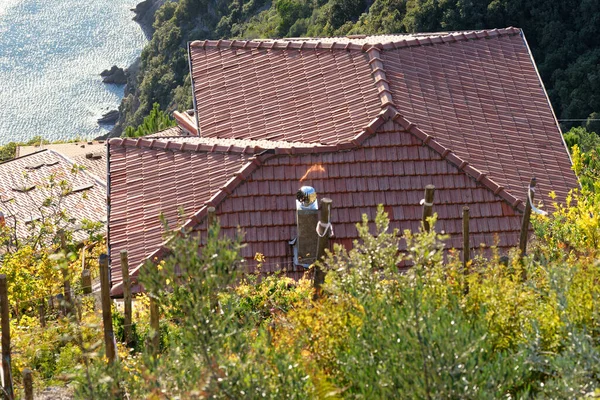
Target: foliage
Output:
{"points": [[585, 152], [527, 329], [156, 121], [37, 262]]}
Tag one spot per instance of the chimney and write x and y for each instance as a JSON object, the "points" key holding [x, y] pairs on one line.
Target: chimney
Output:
{"points": [[307, 218]]}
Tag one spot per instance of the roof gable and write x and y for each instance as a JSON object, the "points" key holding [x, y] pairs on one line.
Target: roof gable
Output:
{"points": [[390, 166]]}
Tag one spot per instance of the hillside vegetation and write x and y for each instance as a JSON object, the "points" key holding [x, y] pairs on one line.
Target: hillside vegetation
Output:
{"points": [[564, 37], [517, 328]]}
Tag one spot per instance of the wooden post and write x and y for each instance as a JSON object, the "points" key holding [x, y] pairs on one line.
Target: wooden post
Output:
{"points": [[466, 247], [154, 326], [42, 313], [28, 383], [126, 296], [5, 322], [525, 221], [66, 281], [211, 217], [106, 309], [86, 281], [428, 206], [322, 243]]}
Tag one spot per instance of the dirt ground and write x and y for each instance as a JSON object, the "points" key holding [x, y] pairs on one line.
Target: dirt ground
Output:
{"points": [[54, 393]]}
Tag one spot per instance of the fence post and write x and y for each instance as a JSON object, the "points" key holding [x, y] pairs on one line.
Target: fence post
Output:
{"points": [[323, 228], [126, 296], [86, 281], [154, 326], [211, 217], [28, 383], [5, 317], [42, 313], [428, 206], [106, 309], [526, 218], [466, 247], [65, 272]]}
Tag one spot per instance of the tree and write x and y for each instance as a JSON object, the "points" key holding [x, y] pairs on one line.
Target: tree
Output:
{"points": [[156, 121]]}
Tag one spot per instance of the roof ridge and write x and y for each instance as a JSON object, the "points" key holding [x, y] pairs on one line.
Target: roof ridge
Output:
{"points": [[280, 44], [380, 77], [166, 143], [462, 165]]}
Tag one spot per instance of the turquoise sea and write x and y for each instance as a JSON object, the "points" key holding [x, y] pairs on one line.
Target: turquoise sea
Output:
{"points": [[51, 55]]}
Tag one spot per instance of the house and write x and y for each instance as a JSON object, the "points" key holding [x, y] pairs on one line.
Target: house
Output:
{"points": [[365, 120], [35, 176]]}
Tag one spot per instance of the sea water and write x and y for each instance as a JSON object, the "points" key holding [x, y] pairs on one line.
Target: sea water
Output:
{"points": [[51, 55]]}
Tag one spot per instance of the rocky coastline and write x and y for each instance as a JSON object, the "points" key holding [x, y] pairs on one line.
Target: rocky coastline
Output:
{"points": [[114, 75], [144, 15]]}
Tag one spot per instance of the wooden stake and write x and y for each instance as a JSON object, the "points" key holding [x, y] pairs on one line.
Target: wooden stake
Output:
{"points": [[66, 281], [154, 326], [126, 297], [211, 217], [5, 322], [106, 309], [428, 206], [28, 383], [525, 221], [86, 281], [322, 244], [42, 313], [466, 247]]}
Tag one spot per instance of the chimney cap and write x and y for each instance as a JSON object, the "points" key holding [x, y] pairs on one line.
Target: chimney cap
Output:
{"points": [[307, 196]]}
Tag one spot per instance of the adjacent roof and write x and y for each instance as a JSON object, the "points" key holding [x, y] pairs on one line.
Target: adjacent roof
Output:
{"points": [[364, 122], [72, 149], [90, 155], [24, 187]]}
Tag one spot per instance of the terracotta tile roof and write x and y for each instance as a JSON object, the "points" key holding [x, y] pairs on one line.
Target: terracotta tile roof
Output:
{"points": [[94, 163], [222, 145], [465, 111], [90, 156], [391, 167], [23, 189], [296, 96]]}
